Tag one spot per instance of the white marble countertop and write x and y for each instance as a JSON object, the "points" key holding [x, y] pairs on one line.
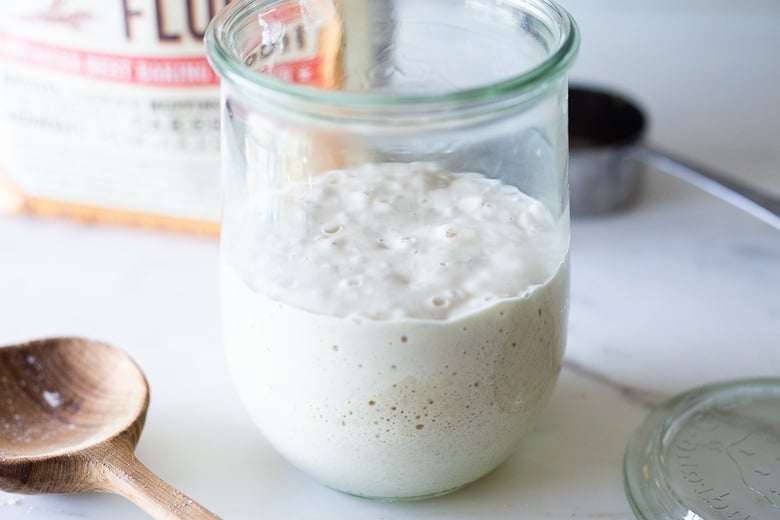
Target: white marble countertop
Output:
{"points": [[678, 291]]}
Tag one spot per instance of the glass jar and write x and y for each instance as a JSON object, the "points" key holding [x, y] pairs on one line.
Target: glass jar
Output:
{"points": [[395, 230]]}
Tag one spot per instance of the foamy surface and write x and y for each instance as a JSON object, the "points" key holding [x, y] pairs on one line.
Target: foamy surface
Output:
{"points": [[389, 241]]}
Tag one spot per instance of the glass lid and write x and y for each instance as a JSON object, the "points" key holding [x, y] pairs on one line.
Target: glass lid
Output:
{"points": [[712, 453]]}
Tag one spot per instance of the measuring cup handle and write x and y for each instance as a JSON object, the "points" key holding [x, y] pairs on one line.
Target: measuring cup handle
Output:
{"points": [[755, 202]]}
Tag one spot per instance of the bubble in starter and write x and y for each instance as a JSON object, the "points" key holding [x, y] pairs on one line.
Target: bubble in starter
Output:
{"points": [[331, 229]]}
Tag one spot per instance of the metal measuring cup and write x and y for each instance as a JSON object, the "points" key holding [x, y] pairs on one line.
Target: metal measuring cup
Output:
{"points": [[608, 155]]}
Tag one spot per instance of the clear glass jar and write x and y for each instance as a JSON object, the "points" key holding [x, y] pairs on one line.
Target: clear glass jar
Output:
{"points": [[395, 230]]}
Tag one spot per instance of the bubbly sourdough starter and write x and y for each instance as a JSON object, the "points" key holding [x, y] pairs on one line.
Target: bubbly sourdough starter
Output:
{"points": [[401, 326]]}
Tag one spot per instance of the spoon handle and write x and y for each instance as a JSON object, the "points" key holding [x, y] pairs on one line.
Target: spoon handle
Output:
{"points": [[119, 471], [751, 200]]}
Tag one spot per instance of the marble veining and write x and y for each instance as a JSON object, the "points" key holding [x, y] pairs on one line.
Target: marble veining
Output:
{"points": [[636, 396]]}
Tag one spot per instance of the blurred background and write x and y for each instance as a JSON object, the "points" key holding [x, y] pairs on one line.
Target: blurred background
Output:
{"points": [[704, 70]]}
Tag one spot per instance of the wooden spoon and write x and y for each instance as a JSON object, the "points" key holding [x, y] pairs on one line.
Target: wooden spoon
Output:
{"points": [[71, 414]]}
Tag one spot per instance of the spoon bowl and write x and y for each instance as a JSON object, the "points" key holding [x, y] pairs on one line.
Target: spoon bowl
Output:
{"points": [[604, 128], [61, 397], [71, 414]]}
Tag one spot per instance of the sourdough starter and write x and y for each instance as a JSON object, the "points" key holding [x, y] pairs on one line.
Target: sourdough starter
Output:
{"points": [[393, 329]]}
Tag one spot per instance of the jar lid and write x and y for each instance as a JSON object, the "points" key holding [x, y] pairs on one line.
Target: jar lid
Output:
{"points": [[712, 453]]}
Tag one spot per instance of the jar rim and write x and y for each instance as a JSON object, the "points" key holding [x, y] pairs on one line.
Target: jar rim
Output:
{"points": [[228, 67]]}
